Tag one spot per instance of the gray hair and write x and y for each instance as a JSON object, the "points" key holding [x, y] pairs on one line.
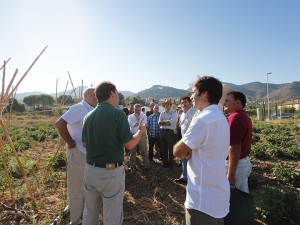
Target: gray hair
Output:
{"points": [[87, 90]]}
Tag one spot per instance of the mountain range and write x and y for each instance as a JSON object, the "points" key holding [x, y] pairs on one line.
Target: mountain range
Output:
{"points": [[251, 90]]}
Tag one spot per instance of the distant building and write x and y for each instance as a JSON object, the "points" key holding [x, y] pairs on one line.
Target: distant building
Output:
{"points": [[291, 104]]}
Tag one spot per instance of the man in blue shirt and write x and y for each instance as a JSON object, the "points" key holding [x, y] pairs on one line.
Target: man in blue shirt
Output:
{"points": [[154, 133]]}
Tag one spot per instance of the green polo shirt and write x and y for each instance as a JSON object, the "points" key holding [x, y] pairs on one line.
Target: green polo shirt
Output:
{"points": [[105, 130]]}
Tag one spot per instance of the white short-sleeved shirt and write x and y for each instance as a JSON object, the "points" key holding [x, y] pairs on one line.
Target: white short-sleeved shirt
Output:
{"points": [[132, 120], [74, 117], [186, 118], [208, 188]]}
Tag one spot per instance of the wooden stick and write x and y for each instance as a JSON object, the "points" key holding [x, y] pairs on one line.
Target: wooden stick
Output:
{"points": [[56, 90], [10, 109], [72, 84], [69, 96], [19, 162], [82, 89], [6, 173], [11, 81], [3, 65], [61, 145], [22, 78], [62, 99], [3, 81]]}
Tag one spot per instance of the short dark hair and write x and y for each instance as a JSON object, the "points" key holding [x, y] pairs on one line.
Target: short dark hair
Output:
{"points": [[185, 98], [213, 87], [103, 90], [126, 111], [238, 96]]}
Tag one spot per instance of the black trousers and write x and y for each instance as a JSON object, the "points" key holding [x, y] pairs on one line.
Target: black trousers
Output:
{"points": [[152, 141], [167, 141]]}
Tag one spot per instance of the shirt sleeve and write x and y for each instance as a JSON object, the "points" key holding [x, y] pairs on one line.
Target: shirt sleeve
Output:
{"points": [[124, 129], [144, 118], [193, 138], [131, 120], [72, 116], [174, 118], [236, 130]]}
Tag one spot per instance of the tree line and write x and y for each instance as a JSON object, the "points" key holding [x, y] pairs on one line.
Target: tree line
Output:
{"points": [[38, 102]]}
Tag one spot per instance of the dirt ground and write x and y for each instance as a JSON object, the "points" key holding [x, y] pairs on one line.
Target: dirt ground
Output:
{"points": [[151, 197]]}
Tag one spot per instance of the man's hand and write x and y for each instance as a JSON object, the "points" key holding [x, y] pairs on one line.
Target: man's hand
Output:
{"points": [[142, 127], [231, 179], [181, 150], [188, 154], [71, 145]]}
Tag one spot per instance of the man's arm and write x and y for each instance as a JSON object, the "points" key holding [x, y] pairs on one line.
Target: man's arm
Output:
{"points": [[181, 150], [61, 125], [136, 137], [233, 160]]}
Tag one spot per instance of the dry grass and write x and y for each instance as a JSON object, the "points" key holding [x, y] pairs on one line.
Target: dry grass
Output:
{"points": [[151, 197]]}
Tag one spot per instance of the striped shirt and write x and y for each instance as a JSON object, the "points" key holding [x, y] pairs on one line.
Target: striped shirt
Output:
{"points": [[153, 125]]}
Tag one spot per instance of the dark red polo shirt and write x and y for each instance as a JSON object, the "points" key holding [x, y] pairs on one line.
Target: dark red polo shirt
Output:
{"points": [[240, 131]]}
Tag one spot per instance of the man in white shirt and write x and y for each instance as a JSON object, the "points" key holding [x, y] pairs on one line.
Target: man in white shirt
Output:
{"points": [[167, 122], [206, 144], [69, 126], [134, 121], [184, 123]]}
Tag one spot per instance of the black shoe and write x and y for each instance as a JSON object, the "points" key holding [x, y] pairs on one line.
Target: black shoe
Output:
{"points": [[179, 164], [180, 181]]}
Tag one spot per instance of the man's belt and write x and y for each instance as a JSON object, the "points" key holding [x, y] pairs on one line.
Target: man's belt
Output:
{"points": [[105, 165]]}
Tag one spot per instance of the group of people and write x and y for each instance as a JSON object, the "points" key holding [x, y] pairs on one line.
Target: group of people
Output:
{"points": [[214, 151]]}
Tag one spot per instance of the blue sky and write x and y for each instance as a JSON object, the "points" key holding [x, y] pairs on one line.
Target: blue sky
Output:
{"points": [[137, 43]]}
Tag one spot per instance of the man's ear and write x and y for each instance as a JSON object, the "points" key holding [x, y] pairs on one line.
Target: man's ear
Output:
{"points": [[205, 94]]}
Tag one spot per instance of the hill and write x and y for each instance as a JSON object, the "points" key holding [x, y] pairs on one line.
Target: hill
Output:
{"points": [[127, 93], [159, 91], [289, 91], [251, 90], [257, 89]]}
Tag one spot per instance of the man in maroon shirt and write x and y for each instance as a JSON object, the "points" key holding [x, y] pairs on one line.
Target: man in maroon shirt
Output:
{"points": [[238, 163]]}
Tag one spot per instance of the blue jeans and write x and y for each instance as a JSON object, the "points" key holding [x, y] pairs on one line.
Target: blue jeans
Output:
{"points": [[184, 169]]}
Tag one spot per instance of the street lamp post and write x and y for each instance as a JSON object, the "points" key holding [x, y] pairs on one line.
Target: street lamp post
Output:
{"points": [[268, 96]]}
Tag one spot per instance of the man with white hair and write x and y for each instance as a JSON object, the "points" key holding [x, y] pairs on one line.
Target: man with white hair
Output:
{"points": [[69, 126], [134, 121]]}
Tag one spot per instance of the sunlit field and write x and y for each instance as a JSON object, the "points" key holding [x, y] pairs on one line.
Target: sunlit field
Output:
{"points": [[151, 197]]}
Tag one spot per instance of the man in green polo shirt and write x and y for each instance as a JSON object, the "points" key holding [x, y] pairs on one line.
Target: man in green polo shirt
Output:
{"points": [[105, 134]]}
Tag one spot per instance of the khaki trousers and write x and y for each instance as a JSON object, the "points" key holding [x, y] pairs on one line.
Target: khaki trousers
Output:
{"points": [[75, 183], [142, 145], [103, 188]]}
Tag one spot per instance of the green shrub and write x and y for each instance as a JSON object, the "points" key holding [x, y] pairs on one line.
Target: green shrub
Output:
{"points": [[277, 207], [260, 150], [56, 163], [286, 173], [14, 169], [293, 152]]}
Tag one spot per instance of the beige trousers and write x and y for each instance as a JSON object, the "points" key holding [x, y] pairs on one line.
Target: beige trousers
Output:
{"points": [[75, 182], [142, 145], [103, 188]]}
